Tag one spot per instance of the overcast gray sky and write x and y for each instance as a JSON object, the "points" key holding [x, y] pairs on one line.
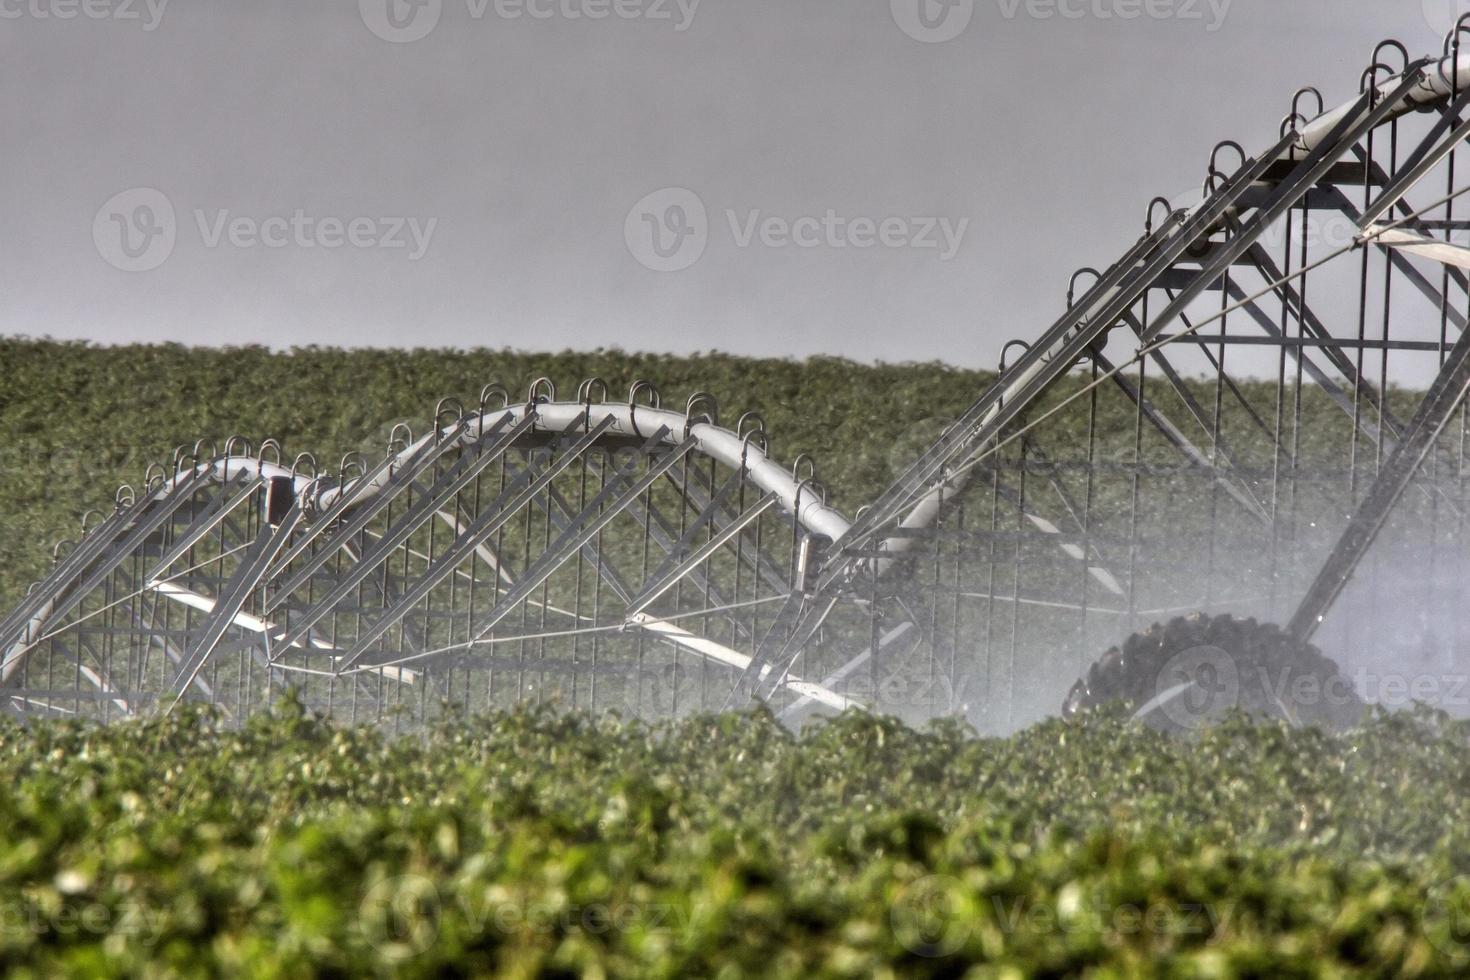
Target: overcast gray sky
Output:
{"points": [[866, 178]]}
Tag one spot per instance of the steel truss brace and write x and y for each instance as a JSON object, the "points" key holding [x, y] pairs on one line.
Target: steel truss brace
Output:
{"points": [[445, 489], [503, 509], [1363, 117], [679, 550], [1325, 383], [120, 551], [91, 545], [95, 677], [247, 576], [662, 533], [1435, 146], [1098, 311], [600, 512], [701, 493], [674, 570], [1406, 268], [346, 495], [1443, 398], [1071, 549], [1228, 476], [1423, 246], [1311, 324], [363, 516], [845, 671], [797, 622], [231, 496], [1392, 428]]}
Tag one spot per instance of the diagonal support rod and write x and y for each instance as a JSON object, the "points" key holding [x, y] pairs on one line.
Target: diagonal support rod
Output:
{"points": [[1443, 398]]}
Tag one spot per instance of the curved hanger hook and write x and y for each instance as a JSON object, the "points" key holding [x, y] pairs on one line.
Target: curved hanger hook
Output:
{"points": [[1226, 145], [655, 400], [1005, 352], [817, 489], [1452, 51], [304, 459], [447, 405], [56, 549], [640, 386], [753, 436], [542, 389], [1084, 271], [710, 410], [1367, 82], [1169, 211], [245, 448], [806, 460], [87, 517], [1451, 43], [395, 445], [1213, 171], [705, 399], [1296, 101], [754, 419], [274, 447], [125, 496], [351, 460], [149, 476], [1395, 45], [489, 391], [588, 386], [311, 494], [1293, 123]]}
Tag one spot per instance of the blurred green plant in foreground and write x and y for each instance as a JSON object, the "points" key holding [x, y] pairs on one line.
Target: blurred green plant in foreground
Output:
{"points": [[546, 843]]}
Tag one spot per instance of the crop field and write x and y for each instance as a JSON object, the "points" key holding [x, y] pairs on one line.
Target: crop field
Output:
{"points": [[547, 842]]}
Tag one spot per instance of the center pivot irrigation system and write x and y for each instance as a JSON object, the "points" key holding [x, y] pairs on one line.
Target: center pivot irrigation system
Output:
{"points": [[1258, 408]]}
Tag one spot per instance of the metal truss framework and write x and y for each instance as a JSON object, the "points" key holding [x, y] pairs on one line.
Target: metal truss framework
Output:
{"points": [[1227, 417], [1224, 492], [609, 556]]}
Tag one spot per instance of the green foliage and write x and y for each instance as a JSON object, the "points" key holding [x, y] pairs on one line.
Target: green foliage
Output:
{"points": [[545, 843]]}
